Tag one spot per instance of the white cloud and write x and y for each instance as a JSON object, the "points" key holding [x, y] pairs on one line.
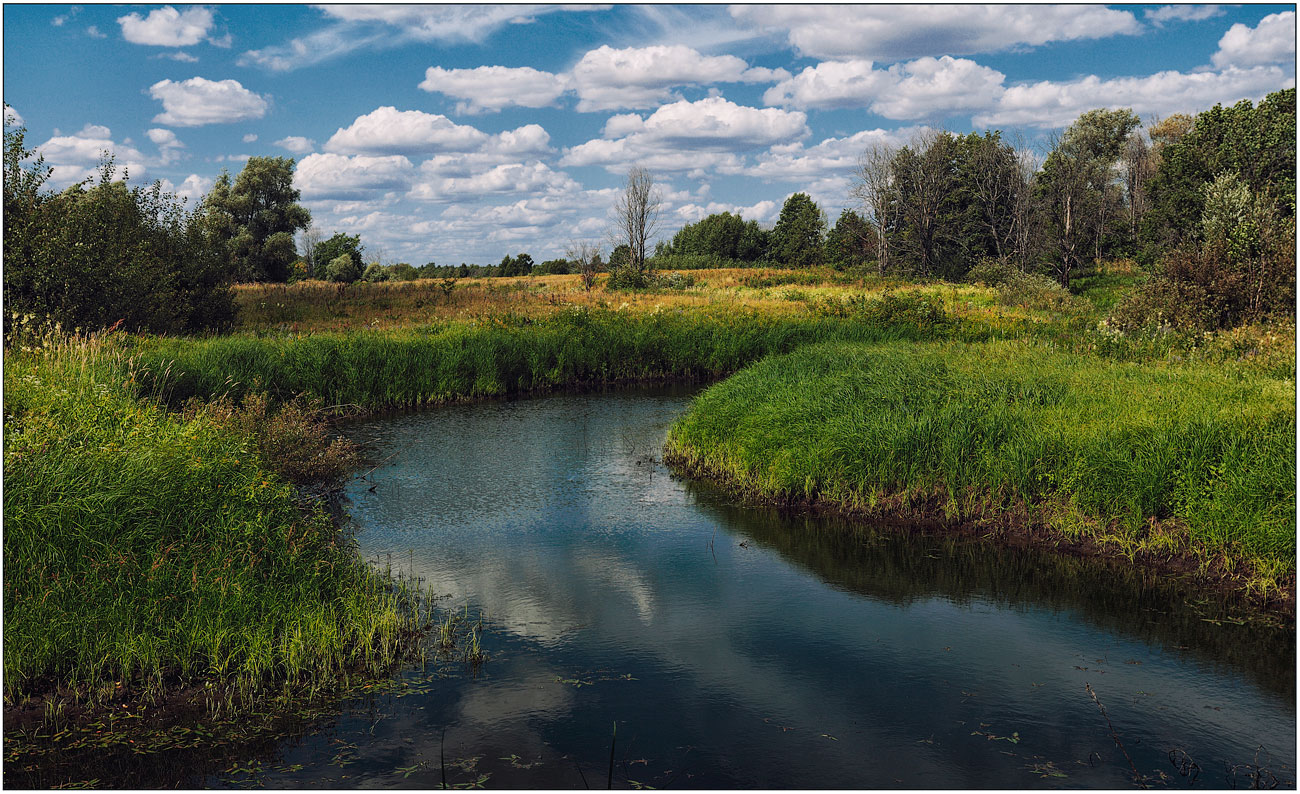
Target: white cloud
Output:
{"points": [[828, 157], [641, 77], [1271, 41], [534, 178], [763, 212], [491, 88], [193, 189], [894, 32], [530, 139], [387, 130], [296, 144], [167, 27], [1182, 13], [384, 26], [169, 147], [76, 157], [197, 101], [335, 176], [689, 136], [178, 55], [912, 90], [249, 138], [12, 118], [94, 33], [1049, 104]]}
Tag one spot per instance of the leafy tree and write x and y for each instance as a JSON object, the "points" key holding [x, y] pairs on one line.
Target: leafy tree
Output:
{"points": [[1256, 143], [553, 267], [343, 269], [851, 243], [797, 236], [338, 245], [255, 218], [100, 252], [925, 238], [619, 257]]}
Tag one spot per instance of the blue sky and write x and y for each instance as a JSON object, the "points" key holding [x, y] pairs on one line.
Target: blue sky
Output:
{"points": [[463, 133]]}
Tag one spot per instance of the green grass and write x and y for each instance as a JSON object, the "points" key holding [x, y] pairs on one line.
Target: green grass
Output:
{"points": [[143, 547], [1093, 446], [512, 354]]}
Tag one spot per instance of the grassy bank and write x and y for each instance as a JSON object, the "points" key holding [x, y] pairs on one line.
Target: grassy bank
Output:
{"points": [[512, 354], [147, 550], [1154, 460]]}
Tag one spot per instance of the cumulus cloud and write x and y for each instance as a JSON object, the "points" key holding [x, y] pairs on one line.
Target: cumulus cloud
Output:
{"points": [[831, 156], [912, 90], [249, 138], [12, 118], [193, 189], [169, 147], [296, 144], [1182, 13], [196, 101], [167, 27], [641, 77], [689, 136], [383, 26], [1271, 41], [763, 212], [336, 176], [76, 157], [533, 178], [387, 130], [178, 55], [491, 88], [94, 33], [1048, 104], [896, 32]]}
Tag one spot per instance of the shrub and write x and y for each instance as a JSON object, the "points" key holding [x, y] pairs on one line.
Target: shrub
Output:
{"points": [[626, 277], [1017, 288], [375, 272], [913, 309], [342, 269]]}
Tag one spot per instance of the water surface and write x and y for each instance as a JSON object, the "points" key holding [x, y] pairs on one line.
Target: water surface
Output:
{"points": [[737, 647]]}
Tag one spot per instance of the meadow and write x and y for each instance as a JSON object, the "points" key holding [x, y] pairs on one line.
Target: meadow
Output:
{"points": [[157, 538]]}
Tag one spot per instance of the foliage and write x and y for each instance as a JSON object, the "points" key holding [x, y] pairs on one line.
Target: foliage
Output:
{"points": [[1018, 288], [852, 243], [1257, 143], [342, 269], [520, 265], [796, 240], [255, 219], [554, 267], [721, 236], [99, 253], [338, 245]]}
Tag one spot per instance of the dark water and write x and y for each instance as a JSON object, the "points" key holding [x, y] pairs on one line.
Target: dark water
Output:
{"points": [[735, 647]]}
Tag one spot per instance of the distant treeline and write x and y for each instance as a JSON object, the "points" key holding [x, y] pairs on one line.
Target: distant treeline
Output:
{"points": [[1206, 204]]}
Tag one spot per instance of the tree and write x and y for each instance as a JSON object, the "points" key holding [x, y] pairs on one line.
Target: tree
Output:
{"points": [[343, 269], [925, 232], [339, 245], [586, 260], [874, 192], [99, 252], [797, 236], [256, 217], [636, 217], [851, 243], [308, 239], [621, 256]]}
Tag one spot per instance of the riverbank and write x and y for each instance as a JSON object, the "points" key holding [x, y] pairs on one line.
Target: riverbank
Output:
{"points": [[151, 552], [1188, 470]]}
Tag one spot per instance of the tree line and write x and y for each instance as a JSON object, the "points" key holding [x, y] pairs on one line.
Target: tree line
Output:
{"points": [[1206, 203]]}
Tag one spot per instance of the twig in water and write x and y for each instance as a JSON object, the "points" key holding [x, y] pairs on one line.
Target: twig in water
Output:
{"points": [[609, 784], [1137, 777], [584, 777]]}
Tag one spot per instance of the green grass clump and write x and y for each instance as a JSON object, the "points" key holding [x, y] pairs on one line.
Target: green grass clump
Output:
{"points": [[503, 355], [1092, 445], [144, 547]]}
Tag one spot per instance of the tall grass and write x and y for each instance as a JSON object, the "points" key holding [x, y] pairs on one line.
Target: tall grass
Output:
{"points": [[508, 354], [144, 547], [1094, 446]]}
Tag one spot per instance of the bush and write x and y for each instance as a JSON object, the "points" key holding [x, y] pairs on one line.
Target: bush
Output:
{"points": [[1017, 288], [375, 272], [342, 269], [101, 253], [913, 309], [626, 277]]}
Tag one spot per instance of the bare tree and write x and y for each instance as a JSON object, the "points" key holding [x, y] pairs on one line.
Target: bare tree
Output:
{"points": [[1023, 209], [584, 254], [308, 239], [873, 188], [636, 215]]}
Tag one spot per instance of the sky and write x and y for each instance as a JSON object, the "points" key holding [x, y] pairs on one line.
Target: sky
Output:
{"points": [[454, 134]]}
